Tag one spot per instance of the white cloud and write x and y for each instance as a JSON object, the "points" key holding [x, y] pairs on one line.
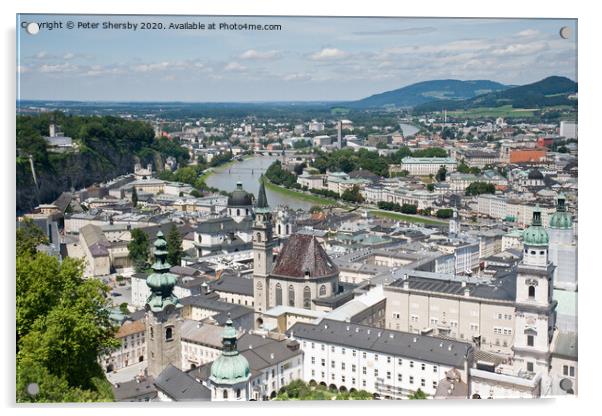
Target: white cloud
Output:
{"points": [[327, 54], [160, 66], [297, 77], [528, 32], [68, 56], [58, 68], [234, 67], [253, 54]]}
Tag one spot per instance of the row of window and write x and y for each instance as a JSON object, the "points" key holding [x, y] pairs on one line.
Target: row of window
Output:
{"points": [[354, 381], [353, 366]]}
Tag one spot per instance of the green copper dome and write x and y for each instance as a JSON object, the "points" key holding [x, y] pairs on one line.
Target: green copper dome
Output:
{"points": [[561, 219], [161, 282], [536, 235], [230, 367]]}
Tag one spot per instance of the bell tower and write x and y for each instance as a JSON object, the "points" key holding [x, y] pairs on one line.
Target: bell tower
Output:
{"points": [[163, 314], [263, 258], [535, 308]]}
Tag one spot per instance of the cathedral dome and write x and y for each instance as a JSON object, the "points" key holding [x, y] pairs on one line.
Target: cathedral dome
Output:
{"points": [[561, 219], [230, 367], [536, 235], [239, 197]]}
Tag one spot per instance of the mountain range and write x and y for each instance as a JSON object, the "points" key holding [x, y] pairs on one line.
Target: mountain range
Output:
{"points": [[455, 94]]}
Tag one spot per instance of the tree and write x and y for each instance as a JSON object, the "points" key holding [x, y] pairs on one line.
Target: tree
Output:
{"points": [[441, 174], [445, 213], [352, 195], [174, 246], [123, 308], [29, 236], [430, 187], [417, 395], [139, 249], [134, 197], [478, 188], [62, 327]]}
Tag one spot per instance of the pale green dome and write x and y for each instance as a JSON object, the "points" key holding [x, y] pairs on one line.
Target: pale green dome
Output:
{"points": [[561, 219], [161, 282], [536, 235], [230, 367]]}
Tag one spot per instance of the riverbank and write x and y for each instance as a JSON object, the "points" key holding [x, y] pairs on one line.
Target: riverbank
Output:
{"points": [[403, 217], [221, 168], [316, 200]]}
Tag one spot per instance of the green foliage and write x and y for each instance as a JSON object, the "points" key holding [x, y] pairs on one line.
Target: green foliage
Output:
{"points": [[315, 208], [62, 325], [352, 195], [123, 307], [444, 213], [417, 395], [174, 246], [347, 160], [394, 206], [280, 176], [139, 249], [441, 174], [430, 187], [134, 197], [299, 390], [29, 236], [478, 188], [302, 144]]}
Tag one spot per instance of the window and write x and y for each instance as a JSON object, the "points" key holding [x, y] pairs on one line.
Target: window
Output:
{"points": [[434, 369], [313, 345], [278, 294], [353, 352], [411, 379], [152, 333], [376, 372], [364, 355], [323, 347], [530, 340], [307, 297], [531, 292], [225, 394], [291, 296], [388, 375], [332, 364], [530, 367], [423, 367], [342, 366], [411, 364], [238, 393], [168, 334], [353, 381], [363, 383], [399, 361], [313, 360], [434, 385], [343, 351], [332, 348], [353, 368], [399, 377], [364, 370], [323, 362], [572, 371], [388, 360], [375, 357], [322, 290], [422, 382]]}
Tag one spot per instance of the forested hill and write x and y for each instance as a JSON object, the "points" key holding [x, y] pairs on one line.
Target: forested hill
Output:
{"points": [[548, 92], [107, 147]]}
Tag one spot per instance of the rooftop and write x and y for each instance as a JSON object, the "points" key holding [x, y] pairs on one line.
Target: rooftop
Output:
{"points": [[301, 256]]}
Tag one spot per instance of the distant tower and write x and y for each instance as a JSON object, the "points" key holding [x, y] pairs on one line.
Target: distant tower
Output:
{"points": [[163, 309], [535, 318], [563, 247], [230, 372], [339, 134], [263, 257], [454, 224]]}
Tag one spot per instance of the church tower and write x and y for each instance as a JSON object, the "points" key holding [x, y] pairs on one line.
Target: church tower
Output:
{"points": [[563, 247], [230, 372], [535, 308], [454, 224], [263, 257], [163, 310]]}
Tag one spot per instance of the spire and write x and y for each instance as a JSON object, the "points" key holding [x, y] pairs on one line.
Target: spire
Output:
{"points": [[536, 235], [262, 200], [161, 282]]}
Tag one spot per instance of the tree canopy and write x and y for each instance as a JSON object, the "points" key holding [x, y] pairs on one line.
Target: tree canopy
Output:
{"points": [[174, 246], [62, 327], [139, 249]]}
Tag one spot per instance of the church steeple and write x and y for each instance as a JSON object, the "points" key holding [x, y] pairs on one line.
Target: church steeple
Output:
{"points": [[262, 200], [161, 282]]}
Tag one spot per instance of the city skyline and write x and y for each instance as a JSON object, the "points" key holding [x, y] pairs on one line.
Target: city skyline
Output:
{"points": [[309, 59]]}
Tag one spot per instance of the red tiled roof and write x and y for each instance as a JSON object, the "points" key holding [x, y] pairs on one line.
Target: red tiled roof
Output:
{"points": [[303, 253]]}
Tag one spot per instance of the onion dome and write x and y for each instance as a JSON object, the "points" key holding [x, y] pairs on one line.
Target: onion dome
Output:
{"points": [[561, 219], [230, 367], [536, 235], [161, 282], [239, 197]]}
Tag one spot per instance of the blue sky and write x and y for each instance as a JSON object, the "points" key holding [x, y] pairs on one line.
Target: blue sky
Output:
{"points": [[321, 59]]}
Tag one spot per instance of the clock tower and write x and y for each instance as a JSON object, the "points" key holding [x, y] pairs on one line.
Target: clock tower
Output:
{"points": [[263, 257]]}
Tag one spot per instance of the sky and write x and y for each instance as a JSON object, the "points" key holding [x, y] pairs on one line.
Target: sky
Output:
{"points": [[308, 59]]}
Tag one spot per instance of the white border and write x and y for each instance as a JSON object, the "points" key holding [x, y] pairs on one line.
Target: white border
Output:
{"points": [[590, 97]]}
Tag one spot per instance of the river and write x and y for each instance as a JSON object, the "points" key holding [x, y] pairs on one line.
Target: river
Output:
{"points": [[248, 173], [408, 129]]}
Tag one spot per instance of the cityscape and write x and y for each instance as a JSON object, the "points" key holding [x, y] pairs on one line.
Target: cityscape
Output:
{"points": [[309, 209]]}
